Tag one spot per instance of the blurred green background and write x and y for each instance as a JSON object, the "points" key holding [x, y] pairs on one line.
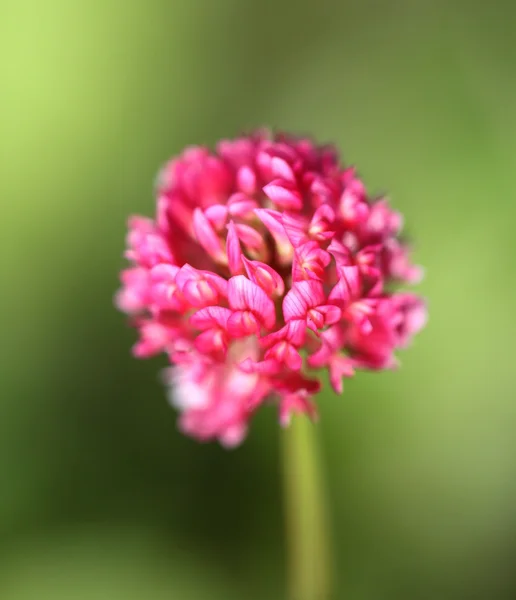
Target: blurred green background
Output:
{"points": [[100, 497]]}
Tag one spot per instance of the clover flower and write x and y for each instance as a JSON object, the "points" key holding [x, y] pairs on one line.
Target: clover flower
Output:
{"points": [[266, 262]]}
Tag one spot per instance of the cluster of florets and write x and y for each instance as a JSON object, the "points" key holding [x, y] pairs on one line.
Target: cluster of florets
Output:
{"points": [[266, 260]]}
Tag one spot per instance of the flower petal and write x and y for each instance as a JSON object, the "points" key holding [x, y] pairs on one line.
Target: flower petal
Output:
{"points": [[243, 323], [280, 168], [246, 180], [303, 296], [298, 402], [243, 294], [233, 250], [217, 214], [266, 277], [207, 237], [348, 287], [283, 195], [272, 219], [211, 316]]}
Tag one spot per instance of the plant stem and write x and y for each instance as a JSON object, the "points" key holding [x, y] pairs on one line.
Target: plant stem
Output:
{"points": [[308, 542]]}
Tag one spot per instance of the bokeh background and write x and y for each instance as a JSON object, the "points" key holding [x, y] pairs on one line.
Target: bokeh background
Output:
{"points": [[100, 497]]}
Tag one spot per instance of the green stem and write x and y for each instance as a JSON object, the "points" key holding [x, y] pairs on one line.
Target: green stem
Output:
{"points": [[308, 542]]}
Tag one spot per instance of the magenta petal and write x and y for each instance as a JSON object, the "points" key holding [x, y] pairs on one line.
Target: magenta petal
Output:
{"points": [[220, 284], [243, 323], [347, 288], [266, 277], [240, 205], [211, 316], [233, 250], [341, 253], [164, 272], [200, 293], [275, 337], [293, 359], [324, 213], [340, 366], [302, 296], [217, 214], [332, 314], [187, 273], [134, 296], [213, 342], [296, 332], [200, 288], [280, 168], [310, 262], [295, 228], [249, 236], [243, 295], [283, 196], [266, 367], [206, 235], [246, 180], [272, 219], [296, 403]]}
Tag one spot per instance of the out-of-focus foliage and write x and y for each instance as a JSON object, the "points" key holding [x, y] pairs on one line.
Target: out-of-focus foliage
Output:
{"points": [[100, 497]]}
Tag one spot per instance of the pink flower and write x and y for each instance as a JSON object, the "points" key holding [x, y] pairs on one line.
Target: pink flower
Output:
{"points": [[264, 257]]}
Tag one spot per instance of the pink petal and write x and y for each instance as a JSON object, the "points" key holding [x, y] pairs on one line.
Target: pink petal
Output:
{"points": [[217, 214], [164, 272], [266, 367], [296, 332], [324, 213], [341, 253], [243, 323], [353, 207], [321, 223], [303, 296], [296, 403], [274, 337], [210, 317], [309, 262], [332, 314], [249, 236], [164, 289], [207, 237], [246, 180], [233, 436], [295, 228], [314, 320], [185, 274], [347, 288], [293, 332], [280, 168], [200, 293], [266, 277], [233, 250], [240, 205], [218, 282], [212, 341], [133, 297], [272, 219], [200, 288], [340, 366], [243, 294], [283, 196], [285, 354], [321, 316], [154, 338]]}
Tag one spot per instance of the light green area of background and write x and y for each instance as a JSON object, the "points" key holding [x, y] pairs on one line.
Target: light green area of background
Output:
{"points": [[100, 497]]}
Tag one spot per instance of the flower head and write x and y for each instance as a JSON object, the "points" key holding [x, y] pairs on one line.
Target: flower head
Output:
{"points": [[263, 258]]}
